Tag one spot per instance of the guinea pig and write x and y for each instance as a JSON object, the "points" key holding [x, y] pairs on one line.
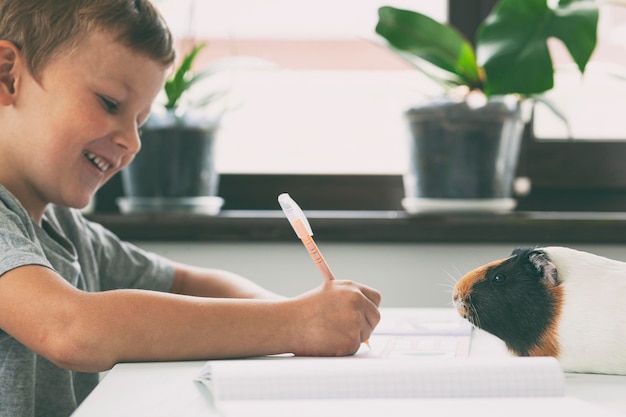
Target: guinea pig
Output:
{"points": [[552, 301]]}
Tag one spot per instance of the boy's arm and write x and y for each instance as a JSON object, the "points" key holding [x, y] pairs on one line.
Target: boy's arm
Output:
{"points": [[93, 331], [218, 283]]}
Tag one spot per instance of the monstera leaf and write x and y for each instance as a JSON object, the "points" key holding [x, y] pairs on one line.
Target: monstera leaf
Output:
{"points": [[511, 54], [421, 41], [512, 48]]}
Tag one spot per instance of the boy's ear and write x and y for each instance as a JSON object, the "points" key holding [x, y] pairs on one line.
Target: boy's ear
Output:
{"points": [[9, 54]]}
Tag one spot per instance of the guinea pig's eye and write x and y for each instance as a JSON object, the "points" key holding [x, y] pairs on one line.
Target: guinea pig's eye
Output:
{"points": [[498, 279]]}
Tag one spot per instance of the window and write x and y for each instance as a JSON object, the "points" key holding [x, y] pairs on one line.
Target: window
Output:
{"points": [[329, 101], [331, 104], [583, 169], [592, 103]]}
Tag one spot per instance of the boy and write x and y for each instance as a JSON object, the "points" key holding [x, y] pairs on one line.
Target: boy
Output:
{"points": [[77, 78]]}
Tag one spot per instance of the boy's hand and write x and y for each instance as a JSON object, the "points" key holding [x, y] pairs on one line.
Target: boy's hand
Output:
{"points": [[334, 319]]}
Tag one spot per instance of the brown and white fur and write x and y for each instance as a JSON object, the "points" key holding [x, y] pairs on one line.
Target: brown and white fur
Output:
{"points": [[552, 301]]}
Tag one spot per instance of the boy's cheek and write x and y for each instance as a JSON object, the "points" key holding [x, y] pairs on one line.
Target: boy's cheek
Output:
{"points": [[126, 161]]}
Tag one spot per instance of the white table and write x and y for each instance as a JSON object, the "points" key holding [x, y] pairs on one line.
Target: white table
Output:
{"points": [[168, 389]]}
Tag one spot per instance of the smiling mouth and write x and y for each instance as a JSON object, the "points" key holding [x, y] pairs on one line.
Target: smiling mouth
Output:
{"points": [[97, 161]]}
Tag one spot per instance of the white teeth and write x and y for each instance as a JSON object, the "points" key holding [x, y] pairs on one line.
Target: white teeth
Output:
{"points": [[98, 161]]}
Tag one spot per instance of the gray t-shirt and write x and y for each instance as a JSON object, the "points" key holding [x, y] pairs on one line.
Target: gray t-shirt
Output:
{"points": [[90, 258]]}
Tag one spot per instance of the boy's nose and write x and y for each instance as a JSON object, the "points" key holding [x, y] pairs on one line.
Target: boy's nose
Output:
{"points": [[129, 139]]}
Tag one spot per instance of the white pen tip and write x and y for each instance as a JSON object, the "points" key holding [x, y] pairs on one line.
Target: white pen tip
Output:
{"points": [[293, 213]]}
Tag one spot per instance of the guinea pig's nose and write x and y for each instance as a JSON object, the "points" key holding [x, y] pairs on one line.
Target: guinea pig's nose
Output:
{"points": [[457, 298], [459, 303]]}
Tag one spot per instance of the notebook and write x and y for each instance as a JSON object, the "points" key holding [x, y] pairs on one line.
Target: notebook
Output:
{"points": [[418, 364], [343, 378], [413, 353], [412, 407], [352, 387], [405, 333]]}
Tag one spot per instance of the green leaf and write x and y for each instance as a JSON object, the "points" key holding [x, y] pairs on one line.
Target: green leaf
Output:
{"points": [[512, 43], [434, 42], [445, 79], [581, 42], [179, 82]]}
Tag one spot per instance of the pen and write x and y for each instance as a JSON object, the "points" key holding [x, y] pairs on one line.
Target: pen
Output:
{"points": [[301, 225]]}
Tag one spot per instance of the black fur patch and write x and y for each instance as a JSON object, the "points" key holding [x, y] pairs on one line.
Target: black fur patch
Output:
{"points": [[513, 302]]}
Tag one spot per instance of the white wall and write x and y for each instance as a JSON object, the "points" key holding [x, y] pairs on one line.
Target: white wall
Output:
{"points": [[407, 275]]}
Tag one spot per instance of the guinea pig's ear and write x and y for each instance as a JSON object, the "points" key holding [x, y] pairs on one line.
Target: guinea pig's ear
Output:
{"points": [[520, 250], [546, 269]]}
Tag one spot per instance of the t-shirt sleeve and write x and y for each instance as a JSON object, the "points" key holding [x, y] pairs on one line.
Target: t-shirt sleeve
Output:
{"points": [[124, 265], [17, 243]]}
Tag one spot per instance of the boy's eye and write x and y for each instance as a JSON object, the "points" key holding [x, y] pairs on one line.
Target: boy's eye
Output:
{"points": [[109, 105]]}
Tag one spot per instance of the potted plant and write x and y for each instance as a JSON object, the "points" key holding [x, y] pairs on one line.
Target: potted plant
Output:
{"points": [[465, 143], [175, 168]]}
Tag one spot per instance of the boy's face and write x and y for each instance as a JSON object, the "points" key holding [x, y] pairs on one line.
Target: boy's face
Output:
{"points": [[79, 126]]}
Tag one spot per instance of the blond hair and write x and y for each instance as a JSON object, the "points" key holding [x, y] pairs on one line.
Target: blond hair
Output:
{"points": [[41, 29]]}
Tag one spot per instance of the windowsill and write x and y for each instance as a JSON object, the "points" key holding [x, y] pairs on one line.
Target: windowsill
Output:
{"points": [[374, 226]]}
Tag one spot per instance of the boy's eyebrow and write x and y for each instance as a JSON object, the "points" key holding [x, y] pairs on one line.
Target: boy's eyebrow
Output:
{"points": [[119, 87]]}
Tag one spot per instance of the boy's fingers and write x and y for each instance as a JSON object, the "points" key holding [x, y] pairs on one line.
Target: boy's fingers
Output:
{"points": [[373, 318], [371, 294]]}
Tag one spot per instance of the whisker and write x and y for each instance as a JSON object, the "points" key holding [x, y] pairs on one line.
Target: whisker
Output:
{"points": [[458, 271], [452, 279], [455, 276], [475, 317]]}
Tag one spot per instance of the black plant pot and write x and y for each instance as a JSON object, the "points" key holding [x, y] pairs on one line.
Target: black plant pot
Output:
{"points": [[174, 170], [463, 153]]}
